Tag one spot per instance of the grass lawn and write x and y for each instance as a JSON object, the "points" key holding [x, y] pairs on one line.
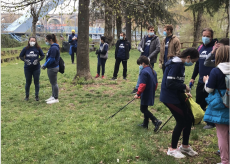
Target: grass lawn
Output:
{"points": [[75, 130]]}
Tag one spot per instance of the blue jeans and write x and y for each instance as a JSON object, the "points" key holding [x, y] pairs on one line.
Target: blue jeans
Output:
{"points": [[101, 63], [28, 75]]}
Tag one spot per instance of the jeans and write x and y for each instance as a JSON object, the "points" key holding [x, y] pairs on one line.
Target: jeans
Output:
{"points": [[74, 49], [117, 65], [28, 76], [101, 63], [52, 74]]}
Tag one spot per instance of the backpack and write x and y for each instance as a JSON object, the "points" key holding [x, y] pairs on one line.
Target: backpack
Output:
{"points": [[61, 65], [225, 97]]}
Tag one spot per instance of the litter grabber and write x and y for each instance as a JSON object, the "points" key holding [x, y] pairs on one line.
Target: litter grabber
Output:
{"points": [[121, 108]]}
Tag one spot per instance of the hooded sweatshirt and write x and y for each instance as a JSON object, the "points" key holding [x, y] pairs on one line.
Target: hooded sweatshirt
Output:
{"points": [[53, 56], [173, 81]]}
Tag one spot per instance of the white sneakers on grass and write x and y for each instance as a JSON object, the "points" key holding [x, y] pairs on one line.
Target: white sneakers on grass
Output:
{"points": [[177, 153], [51, 100]]}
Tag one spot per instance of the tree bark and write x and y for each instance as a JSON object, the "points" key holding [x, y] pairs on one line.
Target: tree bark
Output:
{"points": [[227, 9], [197, 27], [108, 22], [83, 68], [128, 26], [141, 30], [114, 25], [35, 19], [118, 24]]}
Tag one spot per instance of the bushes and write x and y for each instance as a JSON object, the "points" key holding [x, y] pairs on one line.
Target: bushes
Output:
{"points": [[8, 42]]}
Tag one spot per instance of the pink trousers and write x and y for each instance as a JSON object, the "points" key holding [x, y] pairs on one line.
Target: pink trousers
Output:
{"points": [[223, 142]]}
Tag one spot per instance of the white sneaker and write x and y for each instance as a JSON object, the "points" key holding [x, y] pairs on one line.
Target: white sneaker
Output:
{"points": [[175, 153], [52, 101], [51, 98], [188, 150]]}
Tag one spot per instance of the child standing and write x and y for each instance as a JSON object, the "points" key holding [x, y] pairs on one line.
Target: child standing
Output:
{"points": [[102, 55], [148, 85], [171, 88], [217, 112]]}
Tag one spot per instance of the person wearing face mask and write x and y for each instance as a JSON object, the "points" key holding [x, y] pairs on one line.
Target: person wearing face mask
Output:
{"points": [[52, 65], [73, 45], [102, 55], [170, 46], [30, 55], [146, 91], [171, 89], [202, 70], [121, 55]]}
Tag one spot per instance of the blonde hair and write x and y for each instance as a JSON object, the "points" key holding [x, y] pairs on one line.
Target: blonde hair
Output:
{"points": [[222, 55]]}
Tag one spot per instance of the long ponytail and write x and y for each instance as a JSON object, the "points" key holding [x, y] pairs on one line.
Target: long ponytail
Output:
{"points": [[52, 37]]}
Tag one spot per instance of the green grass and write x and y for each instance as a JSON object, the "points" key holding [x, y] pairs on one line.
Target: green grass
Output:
{"points": [[75, 131]]}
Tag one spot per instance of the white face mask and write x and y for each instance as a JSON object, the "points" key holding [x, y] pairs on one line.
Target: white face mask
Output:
{"points": [[32, 44]]}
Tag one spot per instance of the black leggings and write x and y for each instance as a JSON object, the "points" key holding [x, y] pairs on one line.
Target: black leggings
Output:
{"points": [[183, 123], [147, 114]]}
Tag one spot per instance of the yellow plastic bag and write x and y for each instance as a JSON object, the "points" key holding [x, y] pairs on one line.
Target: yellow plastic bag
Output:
{"points": [[197, 111]]}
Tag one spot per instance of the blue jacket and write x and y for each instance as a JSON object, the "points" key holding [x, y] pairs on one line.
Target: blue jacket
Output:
{"points": [[73, 42], [200, 67], [216, 111], [53, 56], [173, 81], [147, 86]]}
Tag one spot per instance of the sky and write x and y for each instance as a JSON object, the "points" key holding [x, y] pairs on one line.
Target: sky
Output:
{"points": [[67, 8]]}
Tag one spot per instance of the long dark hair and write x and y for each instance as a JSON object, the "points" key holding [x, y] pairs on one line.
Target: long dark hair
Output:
{"points": [[144, 59], [52, 37], [192, 52], [36, 43]]}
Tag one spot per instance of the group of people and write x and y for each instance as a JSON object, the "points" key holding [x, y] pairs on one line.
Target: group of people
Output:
{"points": [[212, 65]]}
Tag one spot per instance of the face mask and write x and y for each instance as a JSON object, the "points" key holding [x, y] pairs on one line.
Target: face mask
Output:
{"points": [[121, 38], [205, 40], [141, 67], [47, 43], [32, 44], [73, 33], [165, 33], [151, 33], [188, 64]]}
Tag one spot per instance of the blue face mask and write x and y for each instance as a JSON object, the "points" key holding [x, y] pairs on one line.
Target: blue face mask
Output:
{"points": [[151, 33], [205, 40], [47, 43], [141, 67], [188, 64], [121, 38], [165, 33]]}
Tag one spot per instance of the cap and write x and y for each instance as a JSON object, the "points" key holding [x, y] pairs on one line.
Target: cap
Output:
{"points": [[73, 30]]}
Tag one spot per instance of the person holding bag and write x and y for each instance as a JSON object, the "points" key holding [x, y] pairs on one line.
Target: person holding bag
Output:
{"points": [[217, 112], [171, 89], [102, 55]]}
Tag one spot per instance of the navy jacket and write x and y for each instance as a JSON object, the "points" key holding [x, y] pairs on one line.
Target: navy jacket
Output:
{"points": [[173, 81], [147, 86], [53, 56], [73, 42], [122, 49], [200, 67], [31, 54]]}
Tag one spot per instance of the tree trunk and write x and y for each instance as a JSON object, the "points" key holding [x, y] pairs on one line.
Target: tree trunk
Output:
{"points": [[227, 9], [114, 25], [83, 69], [35, 19], [197, 27], [108, 22], [118, 24], [136, 37], [141, 30], [128, 26]]}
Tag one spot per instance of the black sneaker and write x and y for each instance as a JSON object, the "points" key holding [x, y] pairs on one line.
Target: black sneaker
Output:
{"points": [[114, 78], [143, 126], [26, 98], [124, 78], [134, 91], [37, 98], [157, 125]]}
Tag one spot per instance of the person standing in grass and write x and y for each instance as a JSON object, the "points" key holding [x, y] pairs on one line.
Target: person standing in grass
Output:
{"points": [[30, 55], [216, 111], [52, 65], [170, 46], [171, 89], [147, 87], [121, 55], [149, 47], [102, 55], [73, 45]]}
